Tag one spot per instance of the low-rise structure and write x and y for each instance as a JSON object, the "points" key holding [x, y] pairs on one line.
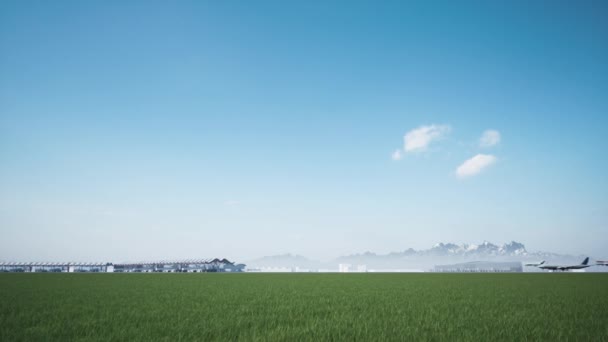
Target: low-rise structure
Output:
{"points": [[192, 266], [56, 267], [203, 265]]}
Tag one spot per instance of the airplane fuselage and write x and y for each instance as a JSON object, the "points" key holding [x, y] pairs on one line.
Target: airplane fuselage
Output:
{"points": [[563, 268], [584, 264]]}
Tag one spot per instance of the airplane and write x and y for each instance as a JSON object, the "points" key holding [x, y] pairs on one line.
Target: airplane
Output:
{"points": [[602, 263], [535, 264], [584, 264]]}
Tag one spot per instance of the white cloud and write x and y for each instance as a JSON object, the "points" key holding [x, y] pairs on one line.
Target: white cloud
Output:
{"points": [[397, 155], [475, 165], [419, 139], [489, 138]]}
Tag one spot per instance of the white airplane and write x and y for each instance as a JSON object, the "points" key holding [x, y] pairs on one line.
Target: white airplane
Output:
{"points": [[535, 264], [584, 264]]}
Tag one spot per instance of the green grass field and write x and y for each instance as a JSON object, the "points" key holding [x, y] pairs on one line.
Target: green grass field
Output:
{"points": [[288, 307]]}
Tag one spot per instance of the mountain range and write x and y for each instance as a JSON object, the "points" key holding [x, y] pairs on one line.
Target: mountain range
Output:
{"points": [[440, 253]]}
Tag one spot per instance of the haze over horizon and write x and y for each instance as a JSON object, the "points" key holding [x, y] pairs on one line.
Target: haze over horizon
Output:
{"points": [[163, 130]]}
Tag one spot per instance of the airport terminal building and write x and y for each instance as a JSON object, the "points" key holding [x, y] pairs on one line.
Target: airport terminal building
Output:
{"points": [[192, 266], [71, 267]]}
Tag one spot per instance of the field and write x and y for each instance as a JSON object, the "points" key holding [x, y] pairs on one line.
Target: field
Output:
{"points": [[288, 307]]}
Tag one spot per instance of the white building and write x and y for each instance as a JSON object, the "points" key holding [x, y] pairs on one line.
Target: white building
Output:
{"points": [[344, 268]]}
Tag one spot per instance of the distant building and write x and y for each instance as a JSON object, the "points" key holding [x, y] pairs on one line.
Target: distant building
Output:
{"points": [[208, 265], [346, 268], [191, 266], [343, 268], [55, 267], [481, 266]]}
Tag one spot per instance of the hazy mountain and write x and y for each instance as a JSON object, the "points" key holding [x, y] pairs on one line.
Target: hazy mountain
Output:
{"points": [[446, 253], [283, 261], [485, 249], [440, 253]]}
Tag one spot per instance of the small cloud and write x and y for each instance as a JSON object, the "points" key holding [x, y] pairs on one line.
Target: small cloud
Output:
{"points": [[475, 165], [489, 138], [420, 138], [232, 203], [397, 155]]}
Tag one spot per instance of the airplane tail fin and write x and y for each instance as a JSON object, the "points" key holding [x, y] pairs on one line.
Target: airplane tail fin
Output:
{"points": [[542, 262], [586, 261]]}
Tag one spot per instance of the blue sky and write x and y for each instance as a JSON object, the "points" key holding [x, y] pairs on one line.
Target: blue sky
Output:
{"points": [[145, 130]]}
